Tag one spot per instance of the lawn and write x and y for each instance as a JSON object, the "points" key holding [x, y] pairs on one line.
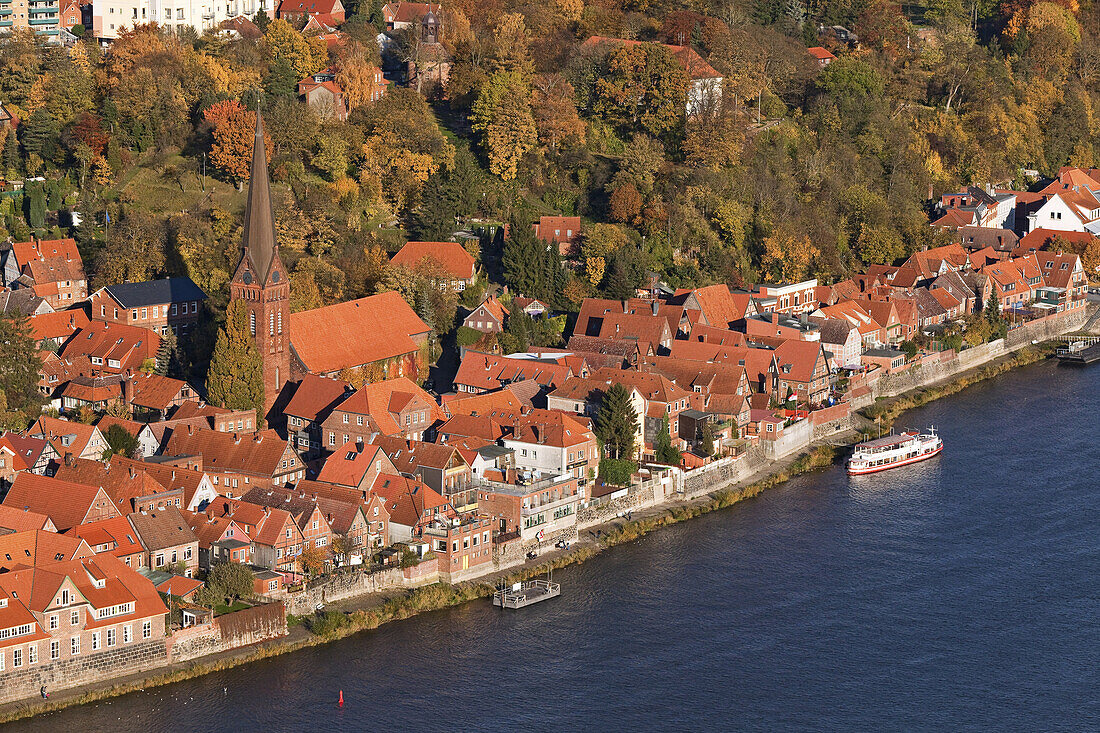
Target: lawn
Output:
{"points": [[221, 609]]}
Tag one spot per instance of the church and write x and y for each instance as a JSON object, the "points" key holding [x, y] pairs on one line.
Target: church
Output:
{"points": [[379, 335]]}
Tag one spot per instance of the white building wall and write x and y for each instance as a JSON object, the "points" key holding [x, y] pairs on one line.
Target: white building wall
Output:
{"points": [[112, 17]]}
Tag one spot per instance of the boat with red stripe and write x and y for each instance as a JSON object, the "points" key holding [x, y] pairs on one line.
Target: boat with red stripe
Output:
{"points": [[893, 451]]}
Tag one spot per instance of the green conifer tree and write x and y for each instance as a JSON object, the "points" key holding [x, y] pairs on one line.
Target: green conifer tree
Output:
{"points": [[617, 422], [235, 379]]}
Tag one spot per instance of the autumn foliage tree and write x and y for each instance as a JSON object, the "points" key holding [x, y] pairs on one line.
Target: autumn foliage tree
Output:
{"points": [[642, 86], [234, 130]]}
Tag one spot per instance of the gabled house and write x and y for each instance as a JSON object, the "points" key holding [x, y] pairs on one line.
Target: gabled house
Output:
{"points": [[158, 305], [130, 488], [113, 536], [23, 520], [377, 334], [480, 372], [113, 348], [447, 263], [441, 467], [329, 12], [355, 466], [67, 504], [168, 540], [391, 407], [563, 230], [310, 404], [68, 437], [488, 317], [236, 462], [554, 443], [411, 505]]}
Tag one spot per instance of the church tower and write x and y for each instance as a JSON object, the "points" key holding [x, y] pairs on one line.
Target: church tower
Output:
{"points": [[261, 279]]}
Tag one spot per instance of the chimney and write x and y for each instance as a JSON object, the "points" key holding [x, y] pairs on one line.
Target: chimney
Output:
{"points": [[775, 318], [131, 471], [267, 510], [69, 460], [656, 306]]}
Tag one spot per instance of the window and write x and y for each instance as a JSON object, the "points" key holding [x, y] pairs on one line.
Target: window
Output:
{"points": [[288, 533], [133, 314], [273, 585], [55, 649], [187, 553], [358, 419], [74, 618], [322, 541], [32, 654], [270, 324], [53, 622], [332, 438], [173, 309], [280, 321], [160, 559], [74, 646], [111, 638], [95, 640], [314, 524], [127, 634], [179, 13], [146, 629], [252, 322], [17, 658], [65, 597]]}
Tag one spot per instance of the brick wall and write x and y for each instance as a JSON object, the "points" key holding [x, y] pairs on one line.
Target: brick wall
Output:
{"points": [[233, 630], [27, 681]]}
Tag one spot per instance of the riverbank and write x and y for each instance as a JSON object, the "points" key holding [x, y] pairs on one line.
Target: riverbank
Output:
{"points": [[380, 610]]}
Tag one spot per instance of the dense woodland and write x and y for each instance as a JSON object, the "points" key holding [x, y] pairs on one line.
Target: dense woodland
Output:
{"points": [[798, 171]]}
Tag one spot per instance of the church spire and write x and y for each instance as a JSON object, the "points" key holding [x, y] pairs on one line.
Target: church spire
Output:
{"points": [[259, 218]]}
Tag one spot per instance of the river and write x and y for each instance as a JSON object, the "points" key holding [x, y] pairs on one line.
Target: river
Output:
{"points": [[956, 594]]}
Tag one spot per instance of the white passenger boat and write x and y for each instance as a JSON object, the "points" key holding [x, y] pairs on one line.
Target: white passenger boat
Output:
{"points": [[893, 451]]}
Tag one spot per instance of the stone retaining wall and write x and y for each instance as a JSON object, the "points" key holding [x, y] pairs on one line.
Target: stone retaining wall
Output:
{"points": [[230, 631], [27, 681]]}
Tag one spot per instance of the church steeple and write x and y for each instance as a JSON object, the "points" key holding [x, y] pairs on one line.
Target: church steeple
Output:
{"points": [[261, 279], [259, 217]]}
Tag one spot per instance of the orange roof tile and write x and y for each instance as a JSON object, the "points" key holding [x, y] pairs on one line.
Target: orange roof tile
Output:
{"points": [[451, 256]]}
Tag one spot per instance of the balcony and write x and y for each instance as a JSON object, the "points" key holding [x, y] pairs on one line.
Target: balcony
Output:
{"points": [[553, 504], [52, 9], [43, 21]]}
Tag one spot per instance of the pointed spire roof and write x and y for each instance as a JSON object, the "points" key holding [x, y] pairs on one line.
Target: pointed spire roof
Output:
{"points": [[259, 217]]}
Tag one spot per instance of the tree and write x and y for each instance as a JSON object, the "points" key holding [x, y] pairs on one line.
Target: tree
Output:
{"points": [[312, 559], [626, 203], [642, 86], [617, 423], [234, 137], [228, 581], [120, 442], [235, 378], [502, 114], [281, 41], [19, 364], [342, 546], [555, 111], [663, 449], [709, 433]]}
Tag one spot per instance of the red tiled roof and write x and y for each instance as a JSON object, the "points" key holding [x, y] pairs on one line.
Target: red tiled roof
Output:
{"points": [[451, 256], [258, 453], [66, 503], [55, 429], [820, 53], [490, 372], [116, 533], [315, 396], [383, 401], [14, 519], [355, 333], [691, 61], [129, 345], [409, 12], [58, 325], [347, 466], [125, 485], [407, 499]]}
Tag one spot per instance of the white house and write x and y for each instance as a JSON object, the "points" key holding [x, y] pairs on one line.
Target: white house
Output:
{"points": [[111, 17]]}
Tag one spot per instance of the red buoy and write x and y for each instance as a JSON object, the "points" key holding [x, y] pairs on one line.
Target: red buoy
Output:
{"points": [[341, 698]]}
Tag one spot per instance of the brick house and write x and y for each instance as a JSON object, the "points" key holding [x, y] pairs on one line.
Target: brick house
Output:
{"points": [[236, 462], [448, 262], [480, 372], [355, 466], [391, 407], [313, 399], [274, 535], [115, 537], [167, 539], [441, 467], [363, 520], [565, 230], [52, 268], [803, 371], [75, 621], [158, 305], [459, 543], [488, 317], [23, 520], [130, 488], [411, 504], [401, 15], [67, 504], [329, 12], [220, 539], [113, 348], [379, 336]]}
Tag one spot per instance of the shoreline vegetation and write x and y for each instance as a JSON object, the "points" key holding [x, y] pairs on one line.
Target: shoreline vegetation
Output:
{"points": [[328, 626]]}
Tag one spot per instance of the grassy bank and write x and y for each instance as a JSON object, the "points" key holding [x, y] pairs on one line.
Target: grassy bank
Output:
{"points": [[887, 410], [329, 626]]}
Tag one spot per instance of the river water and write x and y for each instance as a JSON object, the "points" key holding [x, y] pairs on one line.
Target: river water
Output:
{"points": [[958, 594]]}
